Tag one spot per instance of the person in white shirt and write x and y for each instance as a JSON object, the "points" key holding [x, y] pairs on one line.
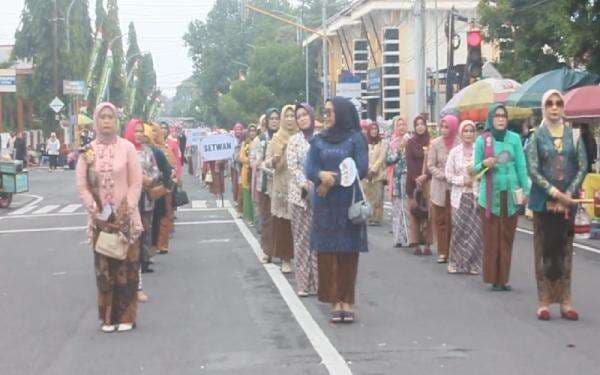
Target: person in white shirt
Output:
{"points": [[53, 150]]}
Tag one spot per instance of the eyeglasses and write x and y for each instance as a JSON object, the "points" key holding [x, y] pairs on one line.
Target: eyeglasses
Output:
{"points": [[500, 115], [555, 103], [328, 112]]}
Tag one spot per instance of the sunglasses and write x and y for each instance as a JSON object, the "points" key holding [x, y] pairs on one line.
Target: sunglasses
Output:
{"points": [[555, 103]]}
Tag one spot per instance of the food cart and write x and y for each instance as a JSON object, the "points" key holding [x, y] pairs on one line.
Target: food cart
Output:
{"points": [[13, 180]]}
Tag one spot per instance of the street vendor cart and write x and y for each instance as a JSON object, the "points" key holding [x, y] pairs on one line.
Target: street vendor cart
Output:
{"points": [[13, 180]]}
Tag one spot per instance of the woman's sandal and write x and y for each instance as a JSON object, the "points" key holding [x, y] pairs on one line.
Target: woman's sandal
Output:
{"points": [[108, 328], [124, 327], [337, 316], [543, 314], [348, 316], [569, 314]]}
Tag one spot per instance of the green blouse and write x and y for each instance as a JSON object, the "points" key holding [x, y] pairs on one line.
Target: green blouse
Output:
{"points": [[506, 177]]}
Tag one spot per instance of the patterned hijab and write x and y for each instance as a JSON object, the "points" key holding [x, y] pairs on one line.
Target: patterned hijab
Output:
{"points": [[308, 133], [281, 138]]}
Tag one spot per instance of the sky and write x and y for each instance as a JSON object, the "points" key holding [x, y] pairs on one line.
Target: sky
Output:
{"points": [[160, 26]]}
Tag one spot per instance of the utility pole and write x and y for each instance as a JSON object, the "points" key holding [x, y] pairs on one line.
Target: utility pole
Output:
{"points": [[437, 61], [450, 66], [325, 52], [419, 14], [306, 71], [55, 48]]}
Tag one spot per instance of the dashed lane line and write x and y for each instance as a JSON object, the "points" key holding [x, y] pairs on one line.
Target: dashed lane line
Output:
{"points": [[331, 358]]}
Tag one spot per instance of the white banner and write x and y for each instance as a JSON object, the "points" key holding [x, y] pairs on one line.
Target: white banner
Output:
{"points": [[218, 147], [195, 136]]}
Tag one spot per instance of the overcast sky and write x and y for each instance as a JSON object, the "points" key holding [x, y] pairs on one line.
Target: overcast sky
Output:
{"points": [[160, 26]]}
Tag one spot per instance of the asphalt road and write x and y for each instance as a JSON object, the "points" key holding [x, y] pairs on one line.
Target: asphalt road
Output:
{"points": [[215, 309]]}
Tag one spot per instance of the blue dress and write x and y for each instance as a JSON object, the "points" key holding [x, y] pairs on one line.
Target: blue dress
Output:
{"points": [[331, 230]]}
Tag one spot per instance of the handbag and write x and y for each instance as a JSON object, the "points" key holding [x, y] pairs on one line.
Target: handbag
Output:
{"points": [[419, 209], [359, 211], [181, 198], [110, 245], [582, 225], [157, 192]]}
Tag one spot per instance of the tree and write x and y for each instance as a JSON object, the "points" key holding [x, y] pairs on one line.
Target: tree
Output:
{"points": [[146, 88], [261, 49], [33, 41], [117, 81], [133, 49], [534, 39]]}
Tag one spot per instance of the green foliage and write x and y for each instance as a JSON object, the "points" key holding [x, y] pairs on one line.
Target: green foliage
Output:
{"points": [[534, 39], [146, 89], [133, 49], [34, 42], [231, 44]]}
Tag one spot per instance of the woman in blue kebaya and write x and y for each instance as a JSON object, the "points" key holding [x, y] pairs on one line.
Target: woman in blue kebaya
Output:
{"points": [[335, 239]]}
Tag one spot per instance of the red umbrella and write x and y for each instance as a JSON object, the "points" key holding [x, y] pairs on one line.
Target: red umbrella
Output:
{"points": [[583, 103]]}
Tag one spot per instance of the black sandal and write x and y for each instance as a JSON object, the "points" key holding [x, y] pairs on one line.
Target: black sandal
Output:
{"points": [[337, 316]]}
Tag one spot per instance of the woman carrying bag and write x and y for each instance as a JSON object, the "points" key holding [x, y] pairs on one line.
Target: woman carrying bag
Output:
{"points": [[335, 238], [109, 182], [417, 188]]}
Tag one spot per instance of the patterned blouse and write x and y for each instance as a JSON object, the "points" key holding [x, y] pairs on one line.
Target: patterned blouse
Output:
{"points": [[398, 161], [559, 162], [149, 170], [296, 155]]}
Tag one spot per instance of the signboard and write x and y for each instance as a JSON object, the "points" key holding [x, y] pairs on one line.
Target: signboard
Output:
{"points": [[73, 87], [374, 81], [195, 136], [218, 147], [8, 80], [349, 90], [57, 105]]}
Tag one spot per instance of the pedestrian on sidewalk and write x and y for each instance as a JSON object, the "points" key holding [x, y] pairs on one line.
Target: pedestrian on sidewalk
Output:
{"points": [[246, 174], [396, 160], [162, 220], [465, 245], [337, 240], [109, 180], [276, 159], [299, 192], [266, 186], [557, 166], [53, 150], [373, 183], [417, 188], [441, 208], [505, 175]]}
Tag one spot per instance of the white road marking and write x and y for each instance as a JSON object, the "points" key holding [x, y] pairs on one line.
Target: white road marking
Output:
{"points": [[79, 228], [70, 208], [330, 357], [575, 244], [214, 240], [199, 204], [225, 204], [46, 209], [23, 210]]}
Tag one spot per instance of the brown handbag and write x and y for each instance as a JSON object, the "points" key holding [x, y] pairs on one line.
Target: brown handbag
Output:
{"points": [[157, 192]]}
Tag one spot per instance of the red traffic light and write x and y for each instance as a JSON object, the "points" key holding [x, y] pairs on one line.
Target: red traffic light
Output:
{"points": [[474, 38]]}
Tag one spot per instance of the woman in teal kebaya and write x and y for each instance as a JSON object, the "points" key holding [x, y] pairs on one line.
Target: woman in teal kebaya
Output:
{"points": [[501, 152]]}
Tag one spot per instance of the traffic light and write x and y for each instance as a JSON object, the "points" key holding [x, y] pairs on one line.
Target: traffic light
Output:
{"points": [[474, 59]]}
